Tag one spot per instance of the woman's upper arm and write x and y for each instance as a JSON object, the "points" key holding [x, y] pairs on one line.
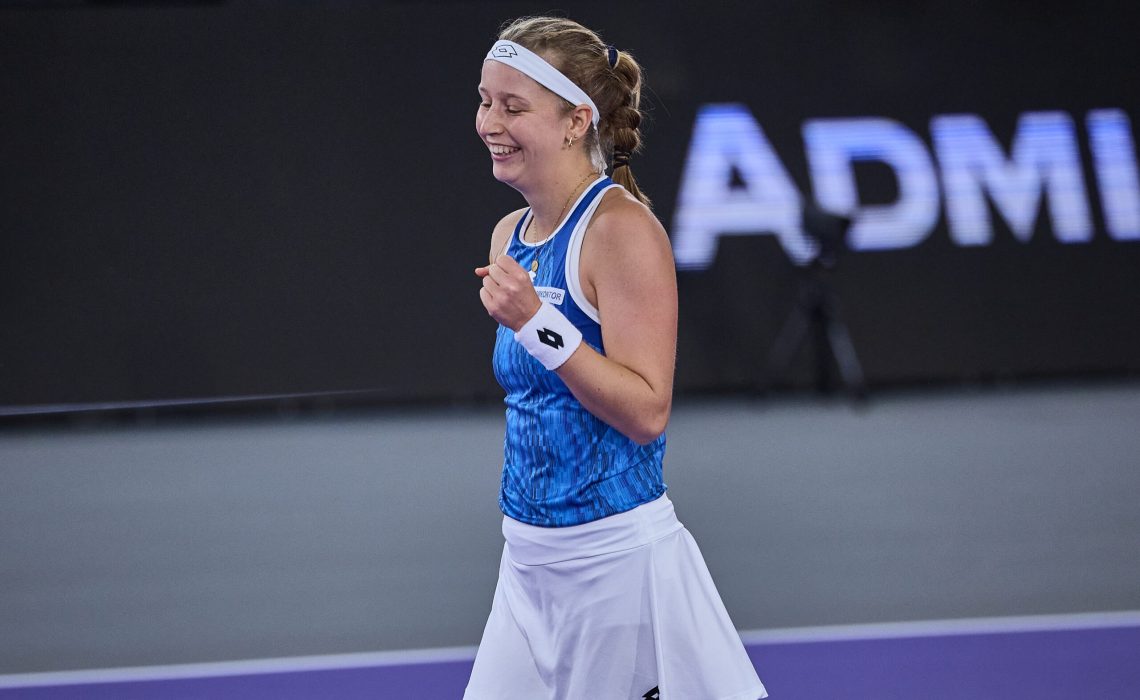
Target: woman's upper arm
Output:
{"points": [[627, 262]]}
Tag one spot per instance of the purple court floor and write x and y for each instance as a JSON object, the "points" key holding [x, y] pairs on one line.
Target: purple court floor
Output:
{"points": [[1090, 656]]}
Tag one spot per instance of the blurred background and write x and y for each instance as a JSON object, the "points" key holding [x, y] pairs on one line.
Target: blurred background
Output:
{"points": [[246, 407]]}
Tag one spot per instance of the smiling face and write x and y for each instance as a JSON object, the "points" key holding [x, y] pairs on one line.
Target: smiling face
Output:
{"points": [[523, 125]]}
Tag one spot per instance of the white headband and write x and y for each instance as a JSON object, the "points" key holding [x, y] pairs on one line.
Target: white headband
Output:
{"points": [[529, 63]]}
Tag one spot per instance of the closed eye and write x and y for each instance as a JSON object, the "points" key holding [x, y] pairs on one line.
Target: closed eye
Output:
{"points": [[486, 104], [509, 110]]}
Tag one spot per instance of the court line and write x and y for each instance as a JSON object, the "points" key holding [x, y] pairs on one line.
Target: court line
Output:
{"points": [[328, 662], [244, 667], [945, 628]]}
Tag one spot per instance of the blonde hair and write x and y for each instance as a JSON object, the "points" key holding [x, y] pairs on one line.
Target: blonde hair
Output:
{"points": [[582, 56]]}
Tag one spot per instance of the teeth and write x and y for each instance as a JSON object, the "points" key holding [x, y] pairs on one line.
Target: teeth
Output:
{"points": [[502, 150]]}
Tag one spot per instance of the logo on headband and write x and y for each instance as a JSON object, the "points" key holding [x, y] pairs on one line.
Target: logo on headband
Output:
{"points": [[505, 51]]}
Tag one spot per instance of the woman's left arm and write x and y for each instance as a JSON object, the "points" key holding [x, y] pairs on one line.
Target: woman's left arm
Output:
{"points": [[627, 271]]}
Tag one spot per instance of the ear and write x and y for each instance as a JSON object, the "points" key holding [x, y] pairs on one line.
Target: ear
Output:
{"points": [[581, 119]]}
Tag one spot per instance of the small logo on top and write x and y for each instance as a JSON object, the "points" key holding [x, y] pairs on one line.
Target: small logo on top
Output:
{"points": [[505, 51], [552, 294]]}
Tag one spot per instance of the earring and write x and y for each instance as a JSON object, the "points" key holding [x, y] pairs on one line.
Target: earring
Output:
{"points": [[570, 142]]}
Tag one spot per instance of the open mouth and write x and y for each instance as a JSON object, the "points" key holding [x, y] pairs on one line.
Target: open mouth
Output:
{"points": [[502, 151]]}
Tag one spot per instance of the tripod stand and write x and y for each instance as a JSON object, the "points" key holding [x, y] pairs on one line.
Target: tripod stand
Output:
{"points": [[817, 312]]}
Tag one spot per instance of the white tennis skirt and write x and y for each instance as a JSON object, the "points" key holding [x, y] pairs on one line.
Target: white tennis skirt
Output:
{"points": [[622, 608]]}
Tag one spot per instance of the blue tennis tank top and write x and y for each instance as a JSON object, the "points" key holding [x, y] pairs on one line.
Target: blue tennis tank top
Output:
{"points": [[562, 465]]}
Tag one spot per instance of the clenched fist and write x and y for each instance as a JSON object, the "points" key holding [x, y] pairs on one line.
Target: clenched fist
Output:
{"points": [[507, 293]]}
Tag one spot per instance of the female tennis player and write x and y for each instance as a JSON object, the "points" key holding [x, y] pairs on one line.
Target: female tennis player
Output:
{"points": [[602, 593]]}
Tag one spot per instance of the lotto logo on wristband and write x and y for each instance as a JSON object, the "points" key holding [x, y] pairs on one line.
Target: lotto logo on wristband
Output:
{"points": [[549, 337]]}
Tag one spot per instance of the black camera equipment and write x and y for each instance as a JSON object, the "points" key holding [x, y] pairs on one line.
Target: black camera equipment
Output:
{"points": [[817, 312]]}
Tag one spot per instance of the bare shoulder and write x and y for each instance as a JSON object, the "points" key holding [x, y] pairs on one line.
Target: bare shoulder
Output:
{"points": [[502, 233], [627, 258], [621, 228]]}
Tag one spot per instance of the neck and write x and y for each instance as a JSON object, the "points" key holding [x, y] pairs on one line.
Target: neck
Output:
{"points": [[550, 203]]}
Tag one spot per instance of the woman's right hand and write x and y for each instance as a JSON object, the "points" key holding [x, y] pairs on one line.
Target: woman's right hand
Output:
{"points": [[508, 293]]}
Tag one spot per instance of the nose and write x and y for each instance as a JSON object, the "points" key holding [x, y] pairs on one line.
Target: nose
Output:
{"points": [[487, 122]]}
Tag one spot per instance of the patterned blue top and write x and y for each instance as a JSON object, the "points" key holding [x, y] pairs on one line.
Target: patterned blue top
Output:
{"points": [[562, 465]]}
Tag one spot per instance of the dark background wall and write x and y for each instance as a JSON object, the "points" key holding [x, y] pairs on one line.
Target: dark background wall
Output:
{"points": [[240, 198]]}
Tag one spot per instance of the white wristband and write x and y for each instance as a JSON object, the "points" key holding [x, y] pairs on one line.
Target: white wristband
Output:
{"points": [[549, 336]]}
